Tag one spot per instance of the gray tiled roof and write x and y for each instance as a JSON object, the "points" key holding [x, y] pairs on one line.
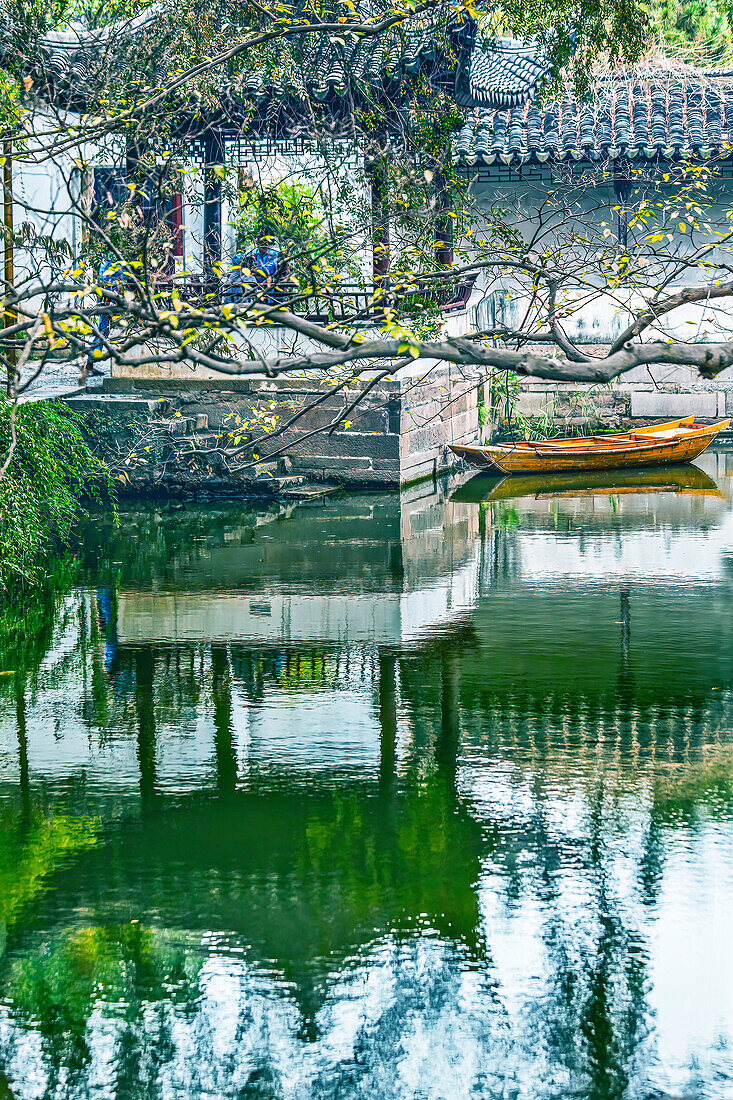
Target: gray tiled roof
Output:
{"points": [[74, 55], [332, 69], [74, 67], [71, 67], [642, 115]]}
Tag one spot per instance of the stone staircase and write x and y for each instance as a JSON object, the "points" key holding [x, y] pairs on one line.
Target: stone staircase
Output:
{"points": [[270, 479]]}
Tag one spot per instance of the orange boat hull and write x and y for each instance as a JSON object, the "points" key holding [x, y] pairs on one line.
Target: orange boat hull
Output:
{"points": [[658, 445]]}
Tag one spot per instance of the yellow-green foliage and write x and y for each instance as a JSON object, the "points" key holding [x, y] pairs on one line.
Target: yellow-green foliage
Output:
{"points": [[10, 107]]}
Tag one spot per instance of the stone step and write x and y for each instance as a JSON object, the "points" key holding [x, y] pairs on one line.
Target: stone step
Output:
{"points": [[50, 392], [181, 425], [308, 491], [277, 483], [84, 401]]}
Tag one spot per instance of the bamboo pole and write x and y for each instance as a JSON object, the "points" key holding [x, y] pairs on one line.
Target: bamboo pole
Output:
{"points": [[8, 317], [376, 169]]}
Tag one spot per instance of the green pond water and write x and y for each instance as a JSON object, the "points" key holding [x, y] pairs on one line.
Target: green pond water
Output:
{"points": [[420, 795]]}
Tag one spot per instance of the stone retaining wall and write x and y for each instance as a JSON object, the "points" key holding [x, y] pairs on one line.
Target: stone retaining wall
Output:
{"points": [[399, 433]]}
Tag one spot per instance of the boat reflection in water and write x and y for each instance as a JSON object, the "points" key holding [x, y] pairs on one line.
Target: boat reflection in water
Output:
{"points": [[393, 795], [686, 479]]}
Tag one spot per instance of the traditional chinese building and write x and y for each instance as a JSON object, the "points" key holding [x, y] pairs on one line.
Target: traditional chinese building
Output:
{"points": [[602, 150]]}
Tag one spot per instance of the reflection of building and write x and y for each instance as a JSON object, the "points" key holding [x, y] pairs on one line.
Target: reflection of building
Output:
{"points": [[294, 615], [403, 839], [603, 616], [233, 723], [385, 570]]}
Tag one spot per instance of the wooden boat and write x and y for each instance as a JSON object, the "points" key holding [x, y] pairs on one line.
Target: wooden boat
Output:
{"points": [[682, 480], [657, 445]]}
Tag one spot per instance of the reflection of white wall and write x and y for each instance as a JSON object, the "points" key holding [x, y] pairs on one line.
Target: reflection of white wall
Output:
{"points": [[652, 535], [687, 950], [585, 556], [273, 617], [692, 958], [418, 1018], [307, 729]]}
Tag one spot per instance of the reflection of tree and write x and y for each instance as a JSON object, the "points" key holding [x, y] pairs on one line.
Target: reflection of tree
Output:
{"points": [[593, 1018], [26, 632], [611, 1005], [118, 969], [160, 542], [173, 547], [337, 864], [306, 873], [33, 846], [22, 727], [292, 670], [221, 689]]}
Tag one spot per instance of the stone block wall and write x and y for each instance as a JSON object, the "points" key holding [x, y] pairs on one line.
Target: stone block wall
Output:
{"points": [[398, 433], [572, 403], [623, 403]]}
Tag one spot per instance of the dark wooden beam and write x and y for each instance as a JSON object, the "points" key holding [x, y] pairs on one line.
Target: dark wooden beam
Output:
{"points": [[622, 193], [443, 222]]}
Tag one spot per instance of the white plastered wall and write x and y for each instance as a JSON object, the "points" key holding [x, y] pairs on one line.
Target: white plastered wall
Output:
{"points": [[590, 318]]}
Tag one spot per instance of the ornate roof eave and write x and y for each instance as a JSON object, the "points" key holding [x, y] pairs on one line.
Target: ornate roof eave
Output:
{"points": [[71, 69], [499, 73], [630, 158]]}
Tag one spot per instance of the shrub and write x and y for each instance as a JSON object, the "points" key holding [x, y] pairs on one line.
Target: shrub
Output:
{"points": [[51, 472]]}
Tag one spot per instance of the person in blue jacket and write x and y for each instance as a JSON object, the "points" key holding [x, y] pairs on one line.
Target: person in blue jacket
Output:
{"points": [[264, 263], [113, 277]]}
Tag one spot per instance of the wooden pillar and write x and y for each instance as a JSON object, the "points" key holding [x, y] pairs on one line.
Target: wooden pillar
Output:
{"points": [[213, 159], [622, 191], [174, 222], [377, 174], [86, 200], [135, 172], [177, 224]]}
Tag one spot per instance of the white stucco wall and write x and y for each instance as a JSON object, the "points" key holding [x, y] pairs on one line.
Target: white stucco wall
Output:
{"points": [[546, 209]]}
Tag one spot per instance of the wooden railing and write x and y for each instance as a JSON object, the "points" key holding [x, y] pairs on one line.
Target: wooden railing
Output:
{"points": [[344, 302]]}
